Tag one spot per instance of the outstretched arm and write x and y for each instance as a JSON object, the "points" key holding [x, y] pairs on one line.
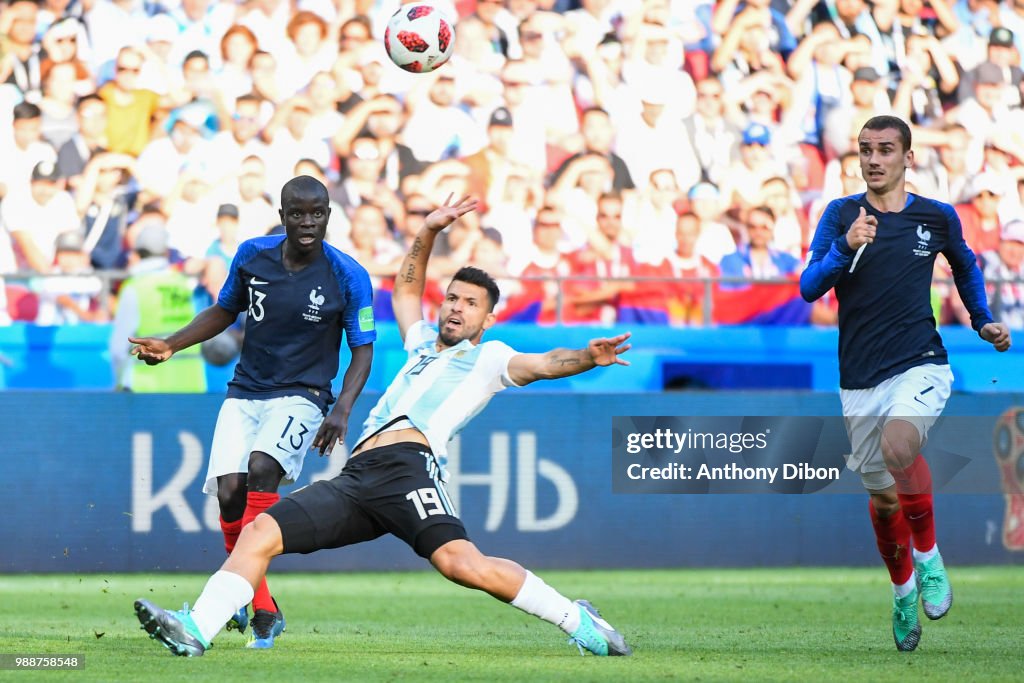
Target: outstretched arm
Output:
{"points": [[407, 297], [207, 325], [524, 368]]}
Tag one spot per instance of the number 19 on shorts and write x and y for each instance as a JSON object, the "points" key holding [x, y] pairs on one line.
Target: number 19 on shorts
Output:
{"points": [[427, 501]]}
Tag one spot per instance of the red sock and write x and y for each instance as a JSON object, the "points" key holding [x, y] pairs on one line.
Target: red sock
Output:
{"points": [[914, 488], [255, 503], [893, 536], [230, 531]]}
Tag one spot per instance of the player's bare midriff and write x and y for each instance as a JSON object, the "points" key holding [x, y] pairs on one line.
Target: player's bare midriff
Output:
{"points": [[390, 438]]}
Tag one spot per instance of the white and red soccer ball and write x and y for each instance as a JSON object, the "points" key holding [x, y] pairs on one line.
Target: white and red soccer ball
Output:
{"points": [[419, 38]]}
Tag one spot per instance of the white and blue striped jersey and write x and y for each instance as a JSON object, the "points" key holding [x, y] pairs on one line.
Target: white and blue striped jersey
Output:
{"points": [[440, 392]]}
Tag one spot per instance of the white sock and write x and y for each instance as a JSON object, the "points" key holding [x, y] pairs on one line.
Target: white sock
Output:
{"points": [[541, 600], [225, 593], [905, 590], [927, 555]]}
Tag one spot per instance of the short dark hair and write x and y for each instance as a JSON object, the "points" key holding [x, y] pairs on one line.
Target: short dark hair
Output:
{"points": [[26, 110], [475, 276], [301, 162], [303, 184], [247, 98], [887, 122], [766, 210], [360, 19], [86, 99], [196, 54]]}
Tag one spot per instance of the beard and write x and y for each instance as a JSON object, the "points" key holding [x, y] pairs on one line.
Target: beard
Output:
{"points": [[447, 339], [453, 338]]}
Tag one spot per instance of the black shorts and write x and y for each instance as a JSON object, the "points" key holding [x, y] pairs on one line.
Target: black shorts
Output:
{"points": [[394, 489]]}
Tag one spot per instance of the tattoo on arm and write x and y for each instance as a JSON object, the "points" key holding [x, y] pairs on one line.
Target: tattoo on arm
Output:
{"points": [[410, 273], [417, 247], [563, 359]]}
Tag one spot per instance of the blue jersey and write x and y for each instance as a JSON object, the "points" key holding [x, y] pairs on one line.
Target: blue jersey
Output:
{"points": [[295, 320], [885, 316]]}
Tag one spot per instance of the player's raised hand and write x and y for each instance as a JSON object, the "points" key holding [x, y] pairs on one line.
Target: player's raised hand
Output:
{"points": [[996, 334], [606, 351], [862, 231], [150, 349], [446, 214], [332, 430]]}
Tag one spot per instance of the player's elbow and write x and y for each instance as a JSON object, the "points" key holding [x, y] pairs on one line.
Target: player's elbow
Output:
{"points": [[808, 290]]}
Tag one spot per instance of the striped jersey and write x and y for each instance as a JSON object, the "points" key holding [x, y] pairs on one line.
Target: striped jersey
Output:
{"points": [[440, 392]]}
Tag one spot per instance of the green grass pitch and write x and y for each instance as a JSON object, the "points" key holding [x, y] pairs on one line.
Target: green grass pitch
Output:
{"points": [[708, 625]]}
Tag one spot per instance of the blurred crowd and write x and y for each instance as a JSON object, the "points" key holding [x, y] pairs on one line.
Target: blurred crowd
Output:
{"points": [[622, 149]]}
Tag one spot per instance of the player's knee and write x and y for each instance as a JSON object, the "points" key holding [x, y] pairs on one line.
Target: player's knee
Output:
{"points": [[260, 537], [231, 492], [900, 444], [898, 455], [886, 504], [265, 473], [460, 565]]}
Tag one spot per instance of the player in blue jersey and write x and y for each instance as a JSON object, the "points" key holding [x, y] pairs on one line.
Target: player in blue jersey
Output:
{"points": [[877, 249], [300, 295], [394, 481]]}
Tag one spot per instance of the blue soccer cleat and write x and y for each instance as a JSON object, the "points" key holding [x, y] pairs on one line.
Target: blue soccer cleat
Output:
{"points": [[239, 620], [279, 623], [597, 635], [174, 630], [266, 626]]}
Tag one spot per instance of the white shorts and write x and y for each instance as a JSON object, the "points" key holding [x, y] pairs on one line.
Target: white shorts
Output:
{"points": [[281, 427], [917, 395]]}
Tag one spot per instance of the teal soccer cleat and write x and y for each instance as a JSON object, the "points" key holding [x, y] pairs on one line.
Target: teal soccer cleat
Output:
{"points": [[906, 627], [597, 635], [174, 630], [933, 584]]}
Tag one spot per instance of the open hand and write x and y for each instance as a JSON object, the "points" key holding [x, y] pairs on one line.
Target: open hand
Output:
{"points": [[446, 214], [606, 351]]}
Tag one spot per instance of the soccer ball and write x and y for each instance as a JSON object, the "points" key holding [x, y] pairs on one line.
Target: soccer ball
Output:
{"points": [[419, 38]]}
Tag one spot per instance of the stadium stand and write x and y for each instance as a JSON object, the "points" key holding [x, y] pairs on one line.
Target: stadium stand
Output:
{"points": [[690, 114]]}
